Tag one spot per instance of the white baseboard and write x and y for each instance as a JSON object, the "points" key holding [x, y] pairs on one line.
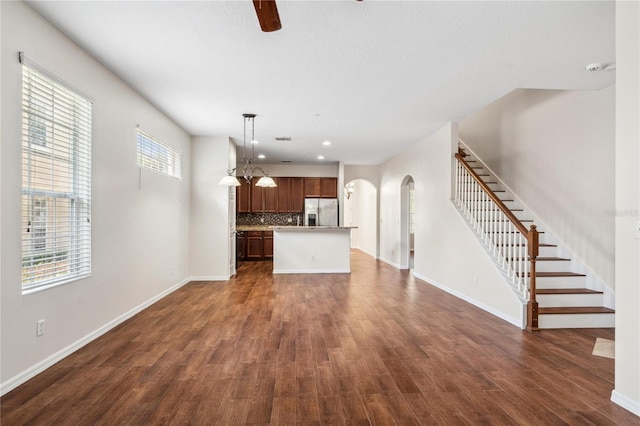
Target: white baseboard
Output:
{"points": [[38, 368], [515, 321], [211, 278], [387, 261], [312, 271], [364, 251], [626, 403]]}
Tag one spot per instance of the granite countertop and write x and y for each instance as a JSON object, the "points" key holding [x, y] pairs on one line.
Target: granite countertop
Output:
{"points": [[253, 228], [286, 227], [309, 228]]}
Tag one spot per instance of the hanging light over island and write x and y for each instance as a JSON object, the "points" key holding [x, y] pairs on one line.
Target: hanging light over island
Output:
{"points": [[248, 167]]}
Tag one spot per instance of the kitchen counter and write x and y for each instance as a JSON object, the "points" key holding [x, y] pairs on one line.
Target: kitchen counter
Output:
{"points": [[309, 228], [244, 228], [311, 249]]}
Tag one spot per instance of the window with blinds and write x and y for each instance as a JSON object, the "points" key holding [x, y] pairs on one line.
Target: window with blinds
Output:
{"points": [[155, 155], [56, 181]]}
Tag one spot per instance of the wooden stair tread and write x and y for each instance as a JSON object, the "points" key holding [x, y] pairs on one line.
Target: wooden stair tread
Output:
{"points": [[567, 291], [576, 310], [539, 245], [559, 274], [555, 274], [547, 259]]}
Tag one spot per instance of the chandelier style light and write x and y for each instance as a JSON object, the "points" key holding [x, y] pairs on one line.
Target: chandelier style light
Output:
{"points": [[248, 167]]}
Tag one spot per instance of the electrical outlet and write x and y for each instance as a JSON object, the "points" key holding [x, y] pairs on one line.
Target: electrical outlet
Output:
{"points": [[40, 328]]}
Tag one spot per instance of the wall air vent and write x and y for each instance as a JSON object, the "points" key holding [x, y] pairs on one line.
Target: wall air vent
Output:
{"points": [[283, 138], [286, 161]]}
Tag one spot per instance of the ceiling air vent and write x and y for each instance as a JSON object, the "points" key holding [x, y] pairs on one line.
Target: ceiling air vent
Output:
{"points": [[283, 138]]}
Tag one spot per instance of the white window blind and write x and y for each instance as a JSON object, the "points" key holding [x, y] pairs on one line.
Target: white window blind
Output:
{"points": [[56, 181], [157, 156]]}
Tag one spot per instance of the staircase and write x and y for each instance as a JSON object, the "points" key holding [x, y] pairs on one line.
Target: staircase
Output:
{"points": [[562, 299]]}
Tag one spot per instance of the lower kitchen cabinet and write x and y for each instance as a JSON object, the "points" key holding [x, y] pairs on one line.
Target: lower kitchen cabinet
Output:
{"points": [[259, 245], [267, 246]]}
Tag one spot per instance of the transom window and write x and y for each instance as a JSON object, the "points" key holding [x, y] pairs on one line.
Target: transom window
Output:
{"points": [[157, 156]]}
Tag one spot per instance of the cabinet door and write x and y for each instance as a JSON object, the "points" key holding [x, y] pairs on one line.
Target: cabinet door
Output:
{"points": [[243, 197], [296, 201], [270, 199], [329, 187], [241, 246], [311, 187], [257, 198], [254, 246], [267, 247], [284, 195]]}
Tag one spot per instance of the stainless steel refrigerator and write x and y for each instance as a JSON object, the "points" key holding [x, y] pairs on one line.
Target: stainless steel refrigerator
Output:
{"points": [[320, 212]]}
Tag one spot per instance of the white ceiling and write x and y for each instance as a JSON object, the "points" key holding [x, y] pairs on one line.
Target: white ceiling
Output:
{"points": [[373, 77]]}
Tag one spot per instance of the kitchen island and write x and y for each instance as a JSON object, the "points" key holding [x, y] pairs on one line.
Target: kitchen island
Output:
{"points": [[311, 249]]}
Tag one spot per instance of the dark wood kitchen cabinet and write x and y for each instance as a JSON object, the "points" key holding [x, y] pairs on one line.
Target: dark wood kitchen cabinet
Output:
{"points": [[267, 245], [264, 200], [312, 187], [243, 197], [329, 187], [254, 245], [259, 245], [316, 187], [290, 194]]}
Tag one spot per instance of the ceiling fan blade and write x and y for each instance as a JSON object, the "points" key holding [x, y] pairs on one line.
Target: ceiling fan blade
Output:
{"points": [[268, 17]]}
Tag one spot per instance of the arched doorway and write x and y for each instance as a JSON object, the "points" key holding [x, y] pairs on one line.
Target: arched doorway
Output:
{"points": [[360, 210], [407, 222]]}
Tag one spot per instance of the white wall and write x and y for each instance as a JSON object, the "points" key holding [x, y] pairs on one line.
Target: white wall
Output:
{"points": [[302, 170], [361, 211], [140, 221], [555, 150], [443, 241], [210, 210], [627, 205]]}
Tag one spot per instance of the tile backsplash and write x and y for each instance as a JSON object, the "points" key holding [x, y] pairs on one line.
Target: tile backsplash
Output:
{"points": [[270, 219]]}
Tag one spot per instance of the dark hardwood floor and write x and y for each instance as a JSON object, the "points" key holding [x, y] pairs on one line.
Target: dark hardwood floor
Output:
{"points": [[374, 347]]}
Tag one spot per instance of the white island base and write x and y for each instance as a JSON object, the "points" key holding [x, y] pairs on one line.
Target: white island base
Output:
{"points": [[311, 249]]}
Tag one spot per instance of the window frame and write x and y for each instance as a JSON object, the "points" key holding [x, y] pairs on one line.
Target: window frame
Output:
{"points": [[56, 180], [155, 155]]}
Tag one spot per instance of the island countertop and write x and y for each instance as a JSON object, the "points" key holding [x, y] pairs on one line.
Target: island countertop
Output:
{"points": [[311, 228]]}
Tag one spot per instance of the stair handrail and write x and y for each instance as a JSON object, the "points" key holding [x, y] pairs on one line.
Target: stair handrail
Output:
{"points": [[492, 194], [531, 235]]}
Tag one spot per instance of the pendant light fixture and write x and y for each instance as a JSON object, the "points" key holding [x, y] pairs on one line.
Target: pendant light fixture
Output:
{"points": [[248, 167]]}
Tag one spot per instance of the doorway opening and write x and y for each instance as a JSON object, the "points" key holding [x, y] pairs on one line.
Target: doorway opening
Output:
{"points": [[407, 223], [360, 204]]}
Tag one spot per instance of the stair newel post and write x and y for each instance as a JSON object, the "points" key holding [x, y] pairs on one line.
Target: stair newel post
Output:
{"points": [[532, 305]]}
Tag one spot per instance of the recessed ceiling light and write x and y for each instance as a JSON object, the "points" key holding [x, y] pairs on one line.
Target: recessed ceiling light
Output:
{"points": [[261, 156], [254, 141], [320, 157], [326, 143]]}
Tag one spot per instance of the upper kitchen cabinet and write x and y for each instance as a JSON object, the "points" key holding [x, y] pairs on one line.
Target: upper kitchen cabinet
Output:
{"points": [[329, 187], [264, 200], [312, 187], [290, 194], [326, 187], [243, 197]]}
